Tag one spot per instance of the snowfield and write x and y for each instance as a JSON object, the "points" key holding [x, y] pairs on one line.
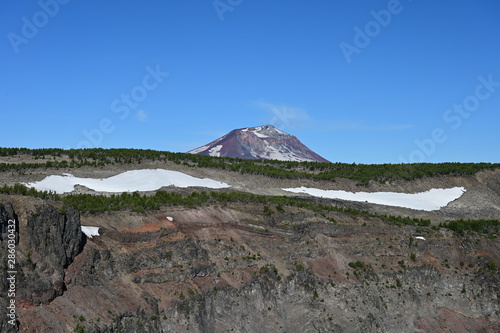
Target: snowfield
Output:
{"points": [[90, 231], [276, 154], [198, 150], [259, 135], [129, 181], [433, 199], [215, 151]]}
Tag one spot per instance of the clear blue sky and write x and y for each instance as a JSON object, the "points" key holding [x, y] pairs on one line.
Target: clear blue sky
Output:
{"points": [[356, 81]]}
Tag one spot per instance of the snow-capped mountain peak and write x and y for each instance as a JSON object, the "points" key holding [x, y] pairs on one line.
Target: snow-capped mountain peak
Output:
{"points": [[261, 142]]}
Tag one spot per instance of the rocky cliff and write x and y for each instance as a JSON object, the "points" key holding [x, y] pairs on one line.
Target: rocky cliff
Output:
{"points": [[46, 243], [242, 268]]}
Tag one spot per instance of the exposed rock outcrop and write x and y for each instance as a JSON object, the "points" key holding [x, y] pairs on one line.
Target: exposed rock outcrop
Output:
{"points": [[46, 243], [54, 239], [7, 217], [235, 268]]}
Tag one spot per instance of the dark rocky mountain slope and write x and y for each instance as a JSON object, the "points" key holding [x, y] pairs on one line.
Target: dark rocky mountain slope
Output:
{"points": [[262, 142]]}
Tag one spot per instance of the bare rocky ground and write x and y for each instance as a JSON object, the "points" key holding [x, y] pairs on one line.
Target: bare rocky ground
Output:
{"points": [[234, 268]]}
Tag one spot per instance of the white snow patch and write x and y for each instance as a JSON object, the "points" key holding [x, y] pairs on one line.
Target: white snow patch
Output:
{"points": [[280, 132], [170, 218], [129, 181], [221, 138], [215, 151], [420, 237], [259, 135], [90, 231], [198, 150], [275, 154], [433, 199], [257, 226]]}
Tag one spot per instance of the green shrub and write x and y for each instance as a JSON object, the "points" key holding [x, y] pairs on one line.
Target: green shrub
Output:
{"points": [[268, 210], [362, 173], [357, 264], [79, 329], [479, 226], [491, 265]]}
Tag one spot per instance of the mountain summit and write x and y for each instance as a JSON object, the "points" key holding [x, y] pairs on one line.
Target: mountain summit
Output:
{"points": [[262, 142]]}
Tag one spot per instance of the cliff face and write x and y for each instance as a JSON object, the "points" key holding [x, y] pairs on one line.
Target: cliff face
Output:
{"points": [[53, 239], [46, 243], [239, 268], [9, 239]]}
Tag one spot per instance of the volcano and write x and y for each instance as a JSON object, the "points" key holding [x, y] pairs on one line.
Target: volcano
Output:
{"points": [[261, 142]]}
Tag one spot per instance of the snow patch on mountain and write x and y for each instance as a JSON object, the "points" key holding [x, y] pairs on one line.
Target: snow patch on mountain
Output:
{"points": [[280, 132], [259, 135], [215, 151], [199, 150], [284, 155], [90, 231], [129, 181], [433, 199]]}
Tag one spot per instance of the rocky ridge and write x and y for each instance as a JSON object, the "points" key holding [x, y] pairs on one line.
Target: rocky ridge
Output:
{"points": [[239, 268], [248, 267]]}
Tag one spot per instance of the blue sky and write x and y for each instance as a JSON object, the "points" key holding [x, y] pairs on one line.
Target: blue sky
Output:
{"points": [[356, 81]]}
